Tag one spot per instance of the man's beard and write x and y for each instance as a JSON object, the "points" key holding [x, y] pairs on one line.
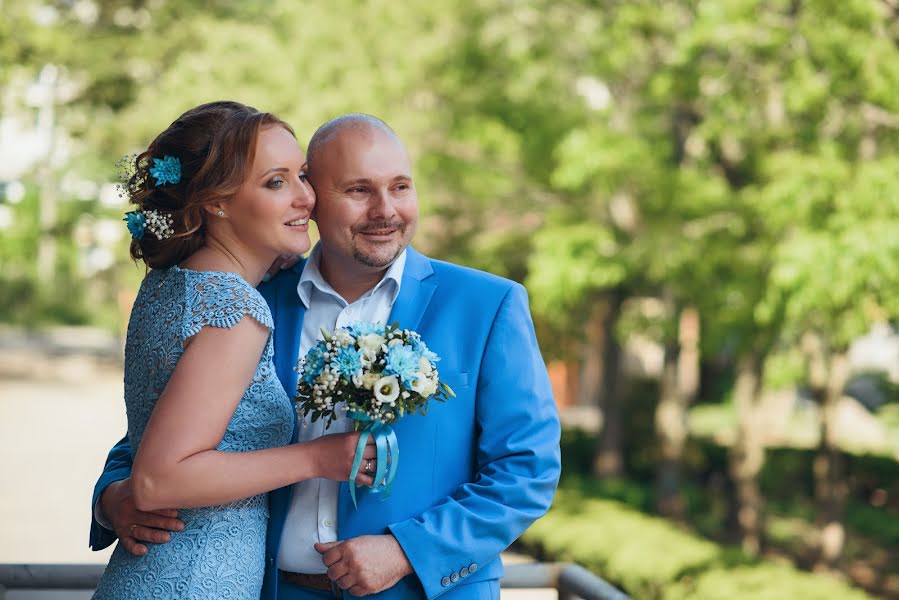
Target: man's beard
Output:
{"points": [[378, 260]]}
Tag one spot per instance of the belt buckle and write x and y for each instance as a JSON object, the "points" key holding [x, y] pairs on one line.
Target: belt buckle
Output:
{"points": [[335, 589]]}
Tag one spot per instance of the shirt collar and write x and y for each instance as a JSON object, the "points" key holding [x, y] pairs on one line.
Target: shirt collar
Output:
{"points": [[312, 278]]}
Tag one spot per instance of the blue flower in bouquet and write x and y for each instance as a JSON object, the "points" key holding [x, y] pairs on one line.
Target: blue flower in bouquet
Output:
{"points": [[402, 361], [348, 362], [359, 328], [421, 348], [315, 363]]}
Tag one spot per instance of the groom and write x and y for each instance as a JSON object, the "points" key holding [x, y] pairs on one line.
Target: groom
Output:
{"points": [[474, 473]]}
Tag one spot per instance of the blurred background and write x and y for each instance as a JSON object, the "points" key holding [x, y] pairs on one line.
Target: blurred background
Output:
{"points": [[701, 197]]}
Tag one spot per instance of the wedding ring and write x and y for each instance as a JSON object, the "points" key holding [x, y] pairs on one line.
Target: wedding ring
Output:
{"points": [[368, 469]]}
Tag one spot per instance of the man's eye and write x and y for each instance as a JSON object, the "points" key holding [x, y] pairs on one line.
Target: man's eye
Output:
{"points": [[356, 190]]}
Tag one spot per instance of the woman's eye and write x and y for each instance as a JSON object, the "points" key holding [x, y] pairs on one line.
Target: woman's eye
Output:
{"points": [[304, 176], [275, 183]]}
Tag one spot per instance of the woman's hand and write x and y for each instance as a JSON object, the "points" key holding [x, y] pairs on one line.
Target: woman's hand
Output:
{"points": [[335, 454]]}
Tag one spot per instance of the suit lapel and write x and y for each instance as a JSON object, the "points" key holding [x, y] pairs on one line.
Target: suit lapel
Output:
{"points": [[288, 316], [288, 328], [415, 292]]}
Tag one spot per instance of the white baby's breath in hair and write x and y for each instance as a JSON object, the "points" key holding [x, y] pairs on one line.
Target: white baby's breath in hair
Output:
{"points": [[130, 181], [159, 223]]}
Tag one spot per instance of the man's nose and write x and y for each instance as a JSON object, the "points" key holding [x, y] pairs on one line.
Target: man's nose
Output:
{"points": [[381, 205]]}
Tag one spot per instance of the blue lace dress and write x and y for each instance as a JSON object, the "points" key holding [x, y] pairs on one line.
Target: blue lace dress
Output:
{"points": [[220, 553]]}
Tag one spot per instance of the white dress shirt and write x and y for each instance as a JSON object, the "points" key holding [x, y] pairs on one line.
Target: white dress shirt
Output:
{"points": [[312, 515]]}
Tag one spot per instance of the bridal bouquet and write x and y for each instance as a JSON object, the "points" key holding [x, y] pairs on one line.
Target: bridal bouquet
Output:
{"points": [[378, 373]]}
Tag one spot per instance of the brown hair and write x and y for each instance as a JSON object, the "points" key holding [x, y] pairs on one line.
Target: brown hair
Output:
{"points": [[215, 144]]}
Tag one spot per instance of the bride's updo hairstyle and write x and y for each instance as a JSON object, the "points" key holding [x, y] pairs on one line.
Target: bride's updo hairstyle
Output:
{"points": [[202, 158]]}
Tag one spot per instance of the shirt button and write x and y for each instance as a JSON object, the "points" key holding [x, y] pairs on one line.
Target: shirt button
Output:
{"points": [[454, 577], [349, 311], [328, 523], [445, 581]]}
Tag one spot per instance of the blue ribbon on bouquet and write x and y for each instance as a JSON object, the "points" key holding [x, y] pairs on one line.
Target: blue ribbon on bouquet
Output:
{"points": [[388, 456]]}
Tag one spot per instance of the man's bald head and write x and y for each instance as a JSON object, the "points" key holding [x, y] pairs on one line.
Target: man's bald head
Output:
{"points": [[353, 122], [366, 206]]}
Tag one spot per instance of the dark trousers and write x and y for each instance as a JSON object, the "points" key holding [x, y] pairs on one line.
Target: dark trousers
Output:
{"points": [[288, 591]]}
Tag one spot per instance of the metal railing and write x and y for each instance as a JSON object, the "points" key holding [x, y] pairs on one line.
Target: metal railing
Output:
{"points": [[570, 580], [28, 578]]}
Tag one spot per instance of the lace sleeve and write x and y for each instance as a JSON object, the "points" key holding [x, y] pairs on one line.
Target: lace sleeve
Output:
{"points": [[222, 300]]}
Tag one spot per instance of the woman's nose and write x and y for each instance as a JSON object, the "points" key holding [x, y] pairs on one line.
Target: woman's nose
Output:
{"points": [[305, 195]]}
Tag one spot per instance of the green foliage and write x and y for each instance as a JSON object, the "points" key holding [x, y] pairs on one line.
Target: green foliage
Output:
{"points": [[642, 554], [650, 558], [23, 300], [570, 262], [786, 481], [784, 368], [875, 523], [695, 151], [761, 582]]}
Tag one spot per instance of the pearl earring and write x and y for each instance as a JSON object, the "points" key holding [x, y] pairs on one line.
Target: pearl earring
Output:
{"points": [[221, 213]]}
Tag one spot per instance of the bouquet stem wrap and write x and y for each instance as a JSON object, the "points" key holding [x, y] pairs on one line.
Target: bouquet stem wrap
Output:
{"points": [[388, 454]]}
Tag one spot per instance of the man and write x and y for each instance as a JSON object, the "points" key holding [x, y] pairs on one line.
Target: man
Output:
{"points": [[474, 473]]}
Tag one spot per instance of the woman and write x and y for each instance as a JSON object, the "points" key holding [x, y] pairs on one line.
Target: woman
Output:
{"points": [[221, 194]]}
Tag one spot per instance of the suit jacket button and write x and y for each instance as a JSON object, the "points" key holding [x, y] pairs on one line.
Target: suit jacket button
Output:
{"points": [[464, 572], [271, 561], [445, 581], [472, 567], [454, 577]]}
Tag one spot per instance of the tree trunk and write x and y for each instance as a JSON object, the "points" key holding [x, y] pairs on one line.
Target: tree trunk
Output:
{"points": [[677, 390], [671, 431], [747, 455], [688, 356], [609, 459], [827, 376], [590, 379], [830, 469]]}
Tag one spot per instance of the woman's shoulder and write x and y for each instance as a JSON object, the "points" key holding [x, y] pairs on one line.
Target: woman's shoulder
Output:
{"points": [[220, 299], [196, 284], [211, 282]]}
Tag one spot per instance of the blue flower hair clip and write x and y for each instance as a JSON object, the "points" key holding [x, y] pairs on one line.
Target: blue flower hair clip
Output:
{"points": [[159, 223], [166, 170], [136, 222]]}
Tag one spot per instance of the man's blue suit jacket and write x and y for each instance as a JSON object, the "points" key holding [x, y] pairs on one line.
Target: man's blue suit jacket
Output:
{"points": [[476, 471]]}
